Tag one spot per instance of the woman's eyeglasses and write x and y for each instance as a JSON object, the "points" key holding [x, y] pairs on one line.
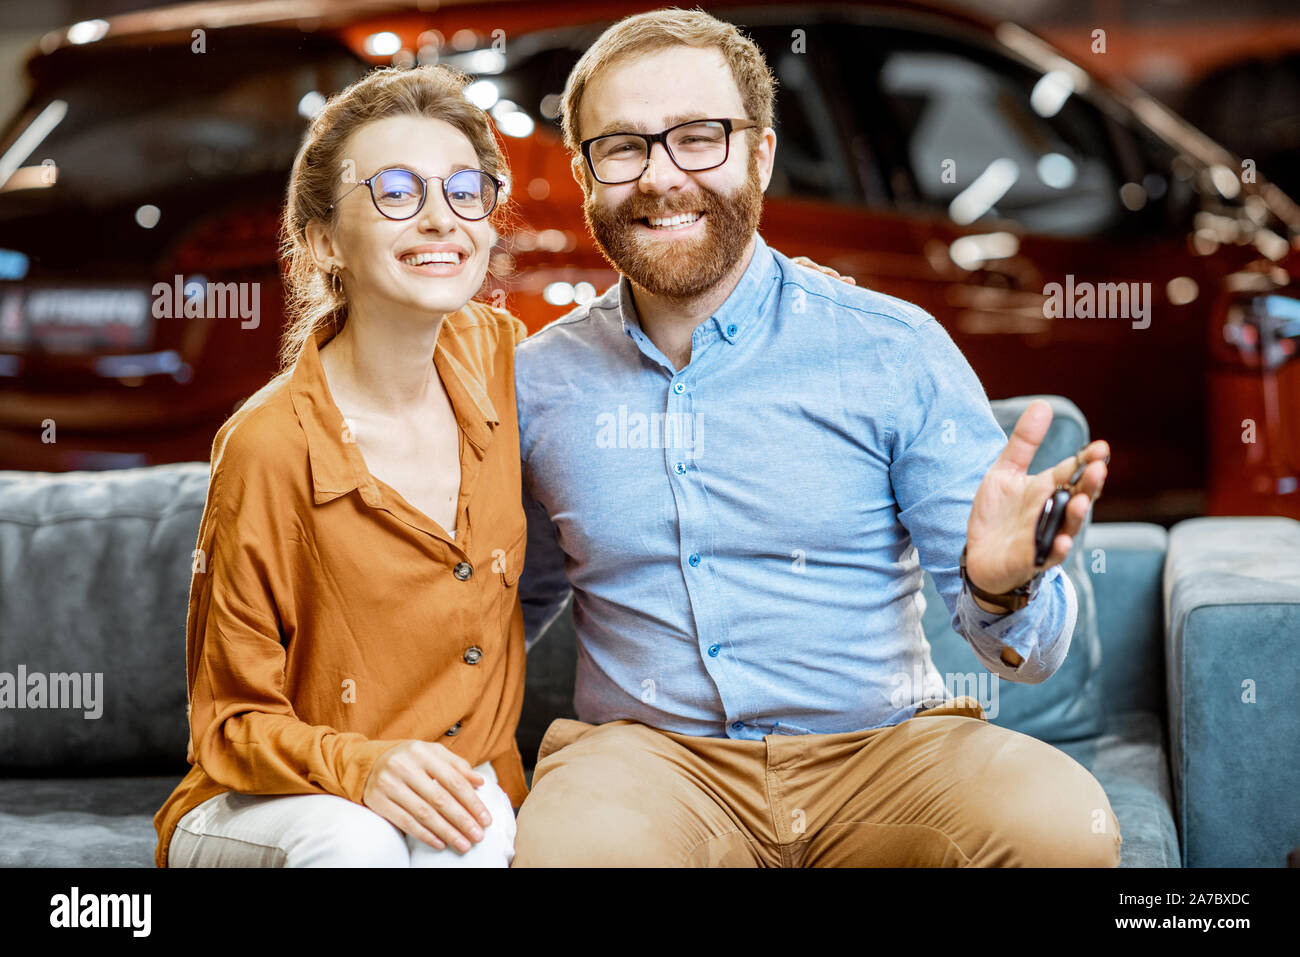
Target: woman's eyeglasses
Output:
{"points": [[399, 193]]}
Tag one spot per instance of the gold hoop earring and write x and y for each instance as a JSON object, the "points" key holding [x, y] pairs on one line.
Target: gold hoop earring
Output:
{"points": [[336, 281]]}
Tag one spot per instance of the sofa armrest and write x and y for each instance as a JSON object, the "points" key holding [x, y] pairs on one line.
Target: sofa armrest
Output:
{"points": [[1125, 561], [1232, 603]]}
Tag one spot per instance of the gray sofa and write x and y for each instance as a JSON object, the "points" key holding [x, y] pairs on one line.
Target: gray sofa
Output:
{"points": [[1180, 693]]}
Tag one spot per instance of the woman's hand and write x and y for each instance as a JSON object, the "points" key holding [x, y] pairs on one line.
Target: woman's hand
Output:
{"points": [[805, 261], [427, 791]]}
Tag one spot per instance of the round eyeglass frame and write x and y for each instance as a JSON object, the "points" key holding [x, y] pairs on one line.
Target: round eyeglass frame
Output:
{"points": [[729, 126], [498, 186]]}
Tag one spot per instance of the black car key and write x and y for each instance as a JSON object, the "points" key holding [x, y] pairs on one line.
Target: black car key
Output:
{"points": [[1053, 515]]}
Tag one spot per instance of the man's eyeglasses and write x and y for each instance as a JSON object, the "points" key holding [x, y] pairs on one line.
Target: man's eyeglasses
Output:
{"points": [[399, 193], [692, 146]]}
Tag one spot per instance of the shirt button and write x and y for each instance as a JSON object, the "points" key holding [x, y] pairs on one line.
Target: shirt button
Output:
{"points": [[454, 729], [463, 570], [694, 560], [737, 725], [713, 650], [732, 330], [473, 655], [679, 387], [679, 468]]}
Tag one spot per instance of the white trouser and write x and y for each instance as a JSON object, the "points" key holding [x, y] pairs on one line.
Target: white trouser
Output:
{"points": [[324, 830]]}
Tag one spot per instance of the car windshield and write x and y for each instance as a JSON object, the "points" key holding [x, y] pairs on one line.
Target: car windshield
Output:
{"points": [[125, 125]]}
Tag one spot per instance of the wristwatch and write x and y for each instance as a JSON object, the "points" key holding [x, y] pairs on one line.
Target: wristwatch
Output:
{"points": [[1012, 600]]}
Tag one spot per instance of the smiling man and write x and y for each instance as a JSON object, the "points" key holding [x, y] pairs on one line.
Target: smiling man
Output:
{"points": [[739, 467]]}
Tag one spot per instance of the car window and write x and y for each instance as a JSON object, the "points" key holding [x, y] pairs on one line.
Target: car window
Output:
{"points": [[974, 136], [810, 158]]}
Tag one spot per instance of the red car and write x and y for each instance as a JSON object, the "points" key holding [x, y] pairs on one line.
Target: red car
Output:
{"points": [[1073, 236]]}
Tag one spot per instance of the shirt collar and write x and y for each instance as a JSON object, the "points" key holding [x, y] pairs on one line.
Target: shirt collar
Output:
{"points": [[337, 466], [738, 312]]}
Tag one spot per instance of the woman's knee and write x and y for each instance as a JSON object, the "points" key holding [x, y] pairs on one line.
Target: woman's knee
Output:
{"points": [[342, 833]]}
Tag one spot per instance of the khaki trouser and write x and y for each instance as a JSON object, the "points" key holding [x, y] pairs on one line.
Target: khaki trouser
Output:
{"points": [[942, 789]]}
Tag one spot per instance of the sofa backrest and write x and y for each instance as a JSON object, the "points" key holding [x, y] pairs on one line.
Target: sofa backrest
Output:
{"points": [[1126, 561], [94, 585]]}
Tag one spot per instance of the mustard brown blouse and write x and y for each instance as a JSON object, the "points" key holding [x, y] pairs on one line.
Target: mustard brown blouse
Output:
{"points": [[329, 619]]}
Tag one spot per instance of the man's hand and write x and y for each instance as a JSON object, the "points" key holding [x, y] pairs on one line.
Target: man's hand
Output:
{"points": [[1000, 533], [427, 791], [805, 261]]}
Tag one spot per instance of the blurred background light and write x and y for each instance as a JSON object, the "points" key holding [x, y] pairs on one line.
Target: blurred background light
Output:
{"points": [[989, 187], [971, 252], [1057, 170], [558, 293], [1051, 92], [483, 94], [147, 216], [87, 31], [383, 44], [311, 104]]}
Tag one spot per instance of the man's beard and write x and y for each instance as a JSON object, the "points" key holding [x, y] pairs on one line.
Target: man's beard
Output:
{"points": [[678, 269]]}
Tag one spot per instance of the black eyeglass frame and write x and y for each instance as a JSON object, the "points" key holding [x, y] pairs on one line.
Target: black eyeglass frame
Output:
{"points": [[729, 126], [369, 184]]}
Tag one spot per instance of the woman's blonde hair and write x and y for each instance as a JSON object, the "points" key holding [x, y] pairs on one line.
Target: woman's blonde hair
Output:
{"points": [[311, 301]]}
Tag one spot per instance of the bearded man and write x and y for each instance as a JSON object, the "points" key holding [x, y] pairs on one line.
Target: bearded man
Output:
{"points": [[739, 467]]}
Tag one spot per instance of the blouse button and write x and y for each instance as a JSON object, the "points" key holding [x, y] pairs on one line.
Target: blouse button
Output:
{"points": [[454, 729], [463, 570], [473, 655]]}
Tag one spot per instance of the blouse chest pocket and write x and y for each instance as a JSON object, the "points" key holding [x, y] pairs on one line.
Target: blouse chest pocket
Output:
{"points": [[506, 566], [508, 563]]}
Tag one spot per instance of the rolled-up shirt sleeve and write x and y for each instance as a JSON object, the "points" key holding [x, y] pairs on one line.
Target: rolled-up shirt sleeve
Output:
{"points": [[246, 735], [944, 438], [1039, 633]]}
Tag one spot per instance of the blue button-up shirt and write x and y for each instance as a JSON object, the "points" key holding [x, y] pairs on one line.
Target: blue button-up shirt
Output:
{"points": [[744, 537]]}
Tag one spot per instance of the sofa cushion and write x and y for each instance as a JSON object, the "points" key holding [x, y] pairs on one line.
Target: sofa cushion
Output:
{"points": [[80, 822], [94, 577], [1068, 705]]}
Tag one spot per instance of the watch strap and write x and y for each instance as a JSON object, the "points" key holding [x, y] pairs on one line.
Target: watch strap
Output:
{"points": [[1012, 600]]}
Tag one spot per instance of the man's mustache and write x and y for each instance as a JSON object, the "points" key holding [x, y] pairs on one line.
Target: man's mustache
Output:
{"points": [[633, 209]]}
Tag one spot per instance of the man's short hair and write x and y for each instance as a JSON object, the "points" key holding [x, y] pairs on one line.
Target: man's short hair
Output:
{"points": [[649, 32]]}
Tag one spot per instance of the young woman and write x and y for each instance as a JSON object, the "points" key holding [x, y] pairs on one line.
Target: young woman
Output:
{"points": [[354, 648]]}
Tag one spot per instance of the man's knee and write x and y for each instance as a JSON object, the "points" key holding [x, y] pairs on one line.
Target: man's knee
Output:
{"points": [[1086, 832], [1084, 837], [1058, 815]]}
